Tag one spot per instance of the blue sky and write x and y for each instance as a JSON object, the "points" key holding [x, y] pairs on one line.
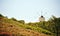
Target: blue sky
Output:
{"points": [[30, 10]]}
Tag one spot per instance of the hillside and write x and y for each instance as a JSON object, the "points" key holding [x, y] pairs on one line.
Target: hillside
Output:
{"points": [[18, 29]]}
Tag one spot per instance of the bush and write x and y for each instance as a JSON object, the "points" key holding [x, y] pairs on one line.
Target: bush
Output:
{"points": [[21, 21], [14, 19], [1, 15]]}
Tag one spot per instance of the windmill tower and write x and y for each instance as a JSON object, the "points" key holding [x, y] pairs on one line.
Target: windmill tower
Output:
{"points": [[41, 18]]}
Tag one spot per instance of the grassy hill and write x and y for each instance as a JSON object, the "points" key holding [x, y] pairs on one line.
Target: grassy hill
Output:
{"points": [[19, 29]]}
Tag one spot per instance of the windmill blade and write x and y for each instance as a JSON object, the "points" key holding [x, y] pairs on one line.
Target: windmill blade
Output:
{"points": [[45, 13], [41, 12], [38, 13]]}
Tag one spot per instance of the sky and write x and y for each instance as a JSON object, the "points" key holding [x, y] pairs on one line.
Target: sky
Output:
{"points": [[30, 10]]}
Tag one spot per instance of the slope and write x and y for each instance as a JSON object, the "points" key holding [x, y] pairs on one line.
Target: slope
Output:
{"points": [[18, 29]]}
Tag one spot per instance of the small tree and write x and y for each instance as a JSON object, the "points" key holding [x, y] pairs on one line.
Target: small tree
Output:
{"points": [[21, 21], [14, 19], [56, 23]]}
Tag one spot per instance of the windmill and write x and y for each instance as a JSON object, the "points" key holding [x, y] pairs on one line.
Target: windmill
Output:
{"points": [[41, 18]]}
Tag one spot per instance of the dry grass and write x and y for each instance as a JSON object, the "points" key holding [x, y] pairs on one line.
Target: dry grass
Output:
{"points": [[15, 30]]}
